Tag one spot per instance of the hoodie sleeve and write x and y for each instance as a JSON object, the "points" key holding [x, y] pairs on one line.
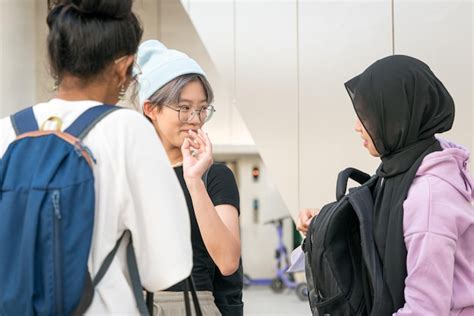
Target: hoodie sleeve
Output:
{"points": [[430, 238], [429, 284]]}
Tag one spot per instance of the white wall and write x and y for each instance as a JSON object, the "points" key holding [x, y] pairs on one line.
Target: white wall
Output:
{"points": [[444, 39], [255, 56], [44, 82], [266, 86], [282, 65], [291, 59], [335, 44], [17, 55]]}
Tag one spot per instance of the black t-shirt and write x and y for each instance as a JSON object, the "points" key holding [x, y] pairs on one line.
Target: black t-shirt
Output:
{"points": [[222, 189]]}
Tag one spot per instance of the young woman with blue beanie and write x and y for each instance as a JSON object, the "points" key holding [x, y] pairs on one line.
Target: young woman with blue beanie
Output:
{"points": [[91, 46], [176, 97]]}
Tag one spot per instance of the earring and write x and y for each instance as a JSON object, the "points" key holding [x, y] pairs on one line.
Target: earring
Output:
{"points": [[122, 93], [56, 83]]}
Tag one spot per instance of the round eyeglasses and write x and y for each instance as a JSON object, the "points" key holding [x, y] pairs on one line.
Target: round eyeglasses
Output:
{"points": [[186, 113]]}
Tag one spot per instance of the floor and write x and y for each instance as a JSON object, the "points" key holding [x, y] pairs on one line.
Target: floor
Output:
{"points": [[261, 301]]}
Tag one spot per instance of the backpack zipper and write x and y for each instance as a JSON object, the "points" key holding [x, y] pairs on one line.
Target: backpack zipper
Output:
{"points": [[57, 252], [316, 225]]}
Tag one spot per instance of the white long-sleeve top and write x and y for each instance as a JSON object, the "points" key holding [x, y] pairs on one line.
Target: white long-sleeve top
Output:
{"points": [[136, 189]]}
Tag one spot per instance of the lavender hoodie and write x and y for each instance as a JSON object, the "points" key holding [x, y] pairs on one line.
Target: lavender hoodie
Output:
{"points": [[438, 227]]}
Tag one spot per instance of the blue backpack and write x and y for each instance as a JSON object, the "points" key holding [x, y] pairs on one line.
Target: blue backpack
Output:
{"points": [[47, 206]]}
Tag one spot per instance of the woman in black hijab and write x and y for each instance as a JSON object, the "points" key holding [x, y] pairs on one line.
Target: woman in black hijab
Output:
{"points": [[423, 217], [401, 105]]}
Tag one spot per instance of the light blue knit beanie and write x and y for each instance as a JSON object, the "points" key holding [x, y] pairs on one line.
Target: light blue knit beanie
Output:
{"points": [[159, 65]]}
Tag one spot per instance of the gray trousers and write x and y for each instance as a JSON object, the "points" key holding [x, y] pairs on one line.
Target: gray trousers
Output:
{"points": [[172, 304]]}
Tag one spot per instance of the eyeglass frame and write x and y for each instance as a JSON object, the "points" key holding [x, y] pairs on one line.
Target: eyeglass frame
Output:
{"points": [[193, 113]]}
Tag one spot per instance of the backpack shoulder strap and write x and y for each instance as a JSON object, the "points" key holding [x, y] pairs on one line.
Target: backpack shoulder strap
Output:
{"points": [[87, 120], [362, 203], [133, 273], [24, 121], [135, 279], [190, 287]]}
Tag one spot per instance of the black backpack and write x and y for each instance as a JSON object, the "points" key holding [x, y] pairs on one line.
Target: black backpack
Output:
{"points": [[343, 269]]}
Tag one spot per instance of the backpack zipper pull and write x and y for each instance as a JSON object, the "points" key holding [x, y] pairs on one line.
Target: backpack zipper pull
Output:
{"points": [[55, 198]]}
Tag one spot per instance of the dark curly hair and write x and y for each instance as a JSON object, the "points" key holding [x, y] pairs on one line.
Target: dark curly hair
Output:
{"points": [[87, 35]]}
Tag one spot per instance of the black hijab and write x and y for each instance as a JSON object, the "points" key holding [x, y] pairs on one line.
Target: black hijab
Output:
{"points": [[402, 105]]}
